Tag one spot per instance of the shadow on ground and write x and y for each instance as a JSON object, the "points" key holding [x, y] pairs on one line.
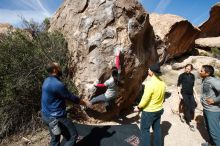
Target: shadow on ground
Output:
{"points": [[126, 116], [94, 137], [165, 127], [200, 125]]}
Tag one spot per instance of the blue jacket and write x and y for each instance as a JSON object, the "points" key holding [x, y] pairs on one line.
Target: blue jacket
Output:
{"points": [[53, 97]]}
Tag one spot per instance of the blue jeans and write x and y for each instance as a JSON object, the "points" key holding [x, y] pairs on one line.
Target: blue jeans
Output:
{"points": [[212, 120], [149, 119], [102, 98], [68, 131]]}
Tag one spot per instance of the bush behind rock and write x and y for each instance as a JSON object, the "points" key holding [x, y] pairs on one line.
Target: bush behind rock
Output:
{"points": [[23, 56]]}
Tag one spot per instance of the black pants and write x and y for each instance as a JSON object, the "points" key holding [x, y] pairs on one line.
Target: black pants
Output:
{"points": [[189, 106]]}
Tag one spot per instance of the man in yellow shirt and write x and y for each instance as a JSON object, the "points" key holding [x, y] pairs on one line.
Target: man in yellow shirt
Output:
{"points": [[151, 106]]}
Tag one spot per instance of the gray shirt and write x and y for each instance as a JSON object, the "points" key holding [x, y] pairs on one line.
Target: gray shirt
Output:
{"points": [[209, 85], [112, 88]]}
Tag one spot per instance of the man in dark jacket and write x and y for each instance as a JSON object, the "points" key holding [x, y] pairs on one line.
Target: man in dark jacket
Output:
{"points": [[210, 99], [185, 86], [53, 107]]}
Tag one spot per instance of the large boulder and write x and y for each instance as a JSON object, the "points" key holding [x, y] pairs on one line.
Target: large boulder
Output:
{"points": [[94, 28], [197, 62], [174, 35], [211, 42], [210, 28]]}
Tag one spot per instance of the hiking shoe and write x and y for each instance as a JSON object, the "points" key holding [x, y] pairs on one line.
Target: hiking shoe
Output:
{"points": [[191, 127]]}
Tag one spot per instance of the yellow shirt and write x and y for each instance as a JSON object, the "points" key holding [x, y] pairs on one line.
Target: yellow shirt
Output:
{"points": [[152, 99]]}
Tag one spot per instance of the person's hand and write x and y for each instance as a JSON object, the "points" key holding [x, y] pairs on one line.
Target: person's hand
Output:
{"points": [[85, 102], [197, 101], [80, 96], [118, 50], [92, 88], [210, 100], [180, 96], [136, 109], [96, 82]]}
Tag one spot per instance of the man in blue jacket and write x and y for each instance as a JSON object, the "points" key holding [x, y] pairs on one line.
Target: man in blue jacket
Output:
{"points": [[54, 94]]}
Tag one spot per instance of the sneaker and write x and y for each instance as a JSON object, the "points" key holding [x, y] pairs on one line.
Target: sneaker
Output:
{"points": [[191, 127]]}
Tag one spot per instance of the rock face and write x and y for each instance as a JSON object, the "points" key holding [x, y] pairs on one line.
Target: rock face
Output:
{"points": [[174, 35], [212, 42], [211, 28], [94, 28], [197, 62]]}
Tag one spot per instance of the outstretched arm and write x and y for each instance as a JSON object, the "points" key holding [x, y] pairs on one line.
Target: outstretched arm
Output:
{"points": [[117, 61], [100, 85], [64, 93], [117, 58]]}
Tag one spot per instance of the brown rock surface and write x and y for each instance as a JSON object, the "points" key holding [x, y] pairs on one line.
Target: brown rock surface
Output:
{"points": [[210, 28], [174, 35], [93, 29]]}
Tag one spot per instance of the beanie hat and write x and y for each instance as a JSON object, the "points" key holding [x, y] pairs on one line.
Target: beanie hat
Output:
{"points": [[155, 68]]}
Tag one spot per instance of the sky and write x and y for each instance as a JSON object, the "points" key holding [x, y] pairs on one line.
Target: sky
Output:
{"points": [[11, 11]]}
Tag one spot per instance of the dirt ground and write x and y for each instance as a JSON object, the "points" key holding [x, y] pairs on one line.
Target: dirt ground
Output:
{"points": [[175, 133]]}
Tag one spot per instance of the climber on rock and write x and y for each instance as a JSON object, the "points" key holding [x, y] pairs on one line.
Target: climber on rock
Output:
{"points": [[111, 93], [111, 84]]}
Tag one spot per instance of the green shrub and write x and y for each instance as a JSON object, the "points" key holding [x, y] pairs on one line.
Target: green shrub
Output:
{"points": [[203, 54], [217, 73], [215, 52], [23, 57]]}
